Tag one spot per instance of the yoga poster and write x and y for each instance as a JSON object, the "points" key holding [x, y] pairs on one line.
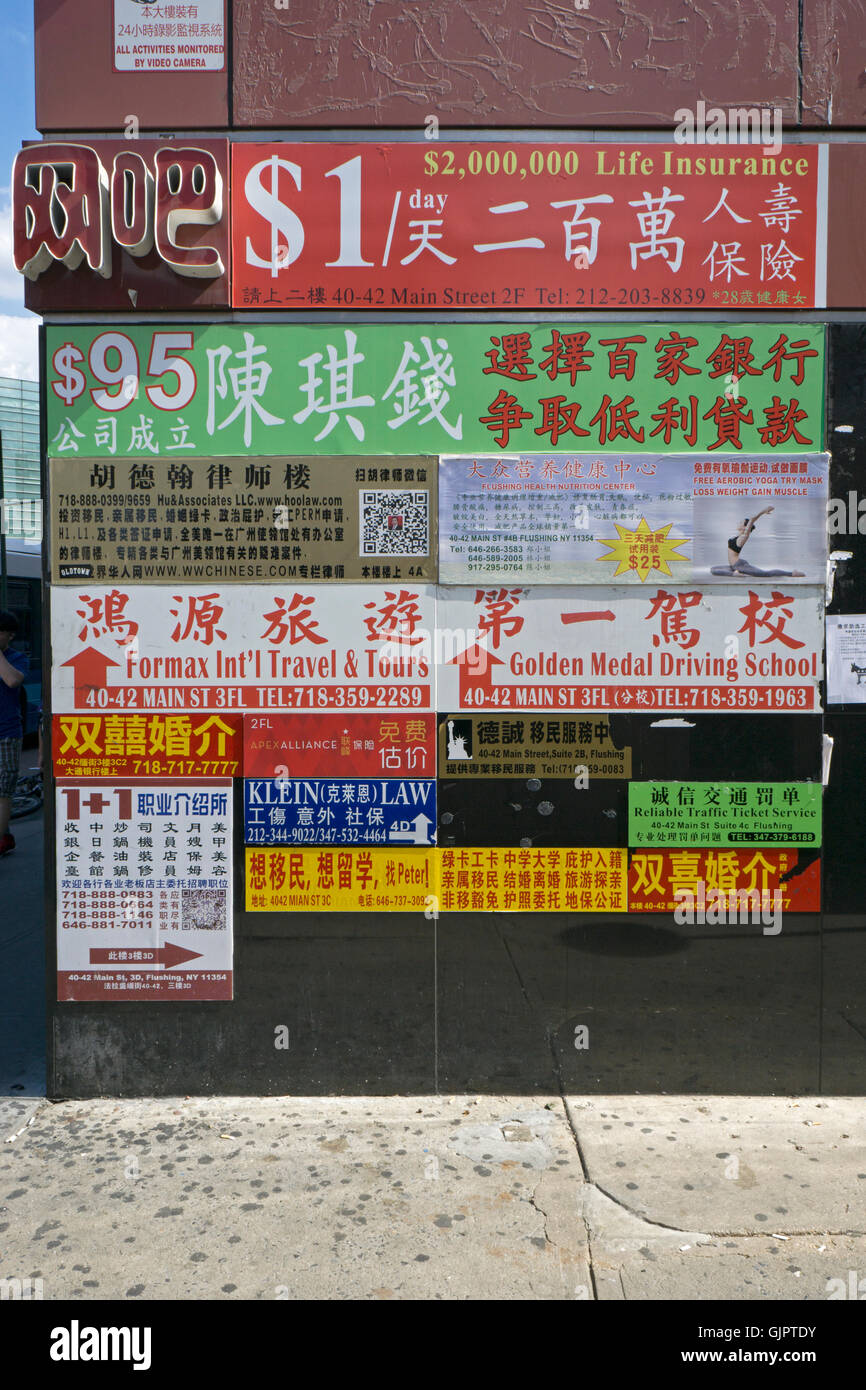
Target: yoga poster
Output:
{"points": [[591, 519]]}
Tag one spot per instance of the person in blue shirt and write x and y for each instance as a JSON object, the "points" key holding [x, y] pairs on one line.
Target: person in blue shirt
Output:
{"points": [[13, 668]]}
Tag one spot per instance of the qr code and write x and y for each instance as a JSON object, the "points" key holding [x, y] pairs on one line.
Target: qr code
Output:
{"points": [[203, 909], [395, 522]]}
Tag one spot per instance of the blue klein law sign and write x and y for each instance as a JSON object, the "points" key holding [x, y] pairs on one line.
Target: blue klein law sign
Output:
{"points": [[334, 811]]}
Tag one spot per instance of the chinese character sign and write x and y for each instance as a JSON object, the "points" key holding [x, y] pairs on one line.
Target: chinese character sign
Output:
{"points": [[455, 880], [533, 880], [144, 890], [341, 880], [405, 649], [144, 223], [535, 746], [492, 226], [291, 811], [636, 518], [146, 745], [180, 517], [139, 395], [390, 744], [846, 659], [719, 813], [283, 647], [169, 38], [657, 875], [645, 648]]}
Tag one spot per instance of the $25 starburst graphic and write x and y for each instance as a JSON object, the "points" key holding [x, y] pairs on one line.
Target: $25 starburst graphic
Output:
{"points": [[643, 550]]}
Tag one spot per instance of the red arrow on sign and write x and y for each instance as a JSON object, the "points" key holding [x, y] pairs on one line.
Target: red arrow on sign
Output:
{"points": [[167, 955], [602, 615], [91, 672], [476, 669]]}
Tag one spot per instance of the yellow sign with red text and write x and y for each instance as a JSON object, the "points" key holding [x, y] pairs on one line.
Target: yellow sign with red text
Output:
{"points": [[533, 880], [322, 879], [325, 879]]}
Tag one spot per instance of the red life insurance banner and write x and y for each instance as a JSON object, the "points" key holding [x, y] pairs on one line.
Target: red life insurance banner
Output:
{"points": [[527, 225], [255, 647], [509, 647]]}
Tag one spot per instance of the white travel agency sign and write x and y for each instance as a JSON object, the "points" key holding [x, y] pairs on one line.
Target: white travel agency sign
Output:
{"points": [[277, 647]]}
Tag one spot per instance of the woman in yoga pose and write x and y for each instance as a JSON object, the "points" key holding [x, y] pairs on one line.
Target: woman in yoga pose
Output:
{"points": [[737, 565]]}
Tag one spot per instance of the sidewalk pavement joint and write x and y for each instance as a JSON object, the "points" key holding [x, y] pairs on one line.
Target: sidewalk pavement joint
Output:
{"points": [[448, 1197]]}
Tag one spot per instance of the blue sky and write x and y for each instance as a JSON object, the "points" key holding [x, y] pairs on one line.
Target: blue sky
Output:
{"points": [[17, 327]]}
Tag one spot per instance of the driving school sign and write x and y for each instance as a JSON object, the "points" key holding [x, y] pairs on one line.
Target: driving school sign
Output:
{"points": [[317, 647], [626, 649], [413, 388], [498, 226]]}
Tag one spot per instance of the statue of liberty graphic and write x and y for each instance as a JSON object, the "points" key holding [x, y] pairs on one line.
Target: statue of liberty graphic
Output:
{"points": [[456, 743]]}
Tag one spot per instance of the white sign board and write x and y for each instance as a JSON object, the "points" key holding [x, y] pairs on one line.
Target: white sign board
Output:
{"points": [[638, 519], [169, 38], [262, 647], [846, 659], [144, 890], [621, 649]]}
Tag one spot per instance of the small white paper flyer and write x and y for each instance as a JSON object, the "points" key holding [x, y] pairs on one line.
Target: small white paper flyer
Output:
{"points": [[846, 659]]}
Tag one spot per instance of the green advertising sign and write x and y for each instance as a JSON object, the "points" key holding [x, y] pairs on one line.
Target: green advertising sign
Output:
{"points": [[729, 814], [419, 388]]}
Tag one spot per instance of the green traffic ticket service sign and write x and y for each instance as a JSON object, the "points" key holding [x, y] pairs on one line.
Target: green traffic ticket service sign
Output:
{"points": [[420, 388], [724, 814]]}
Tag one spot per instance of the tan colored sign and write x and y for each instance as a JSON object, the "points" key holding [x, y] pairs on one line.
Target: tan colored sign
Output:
{"points": [[167, 520], [501, 745]]}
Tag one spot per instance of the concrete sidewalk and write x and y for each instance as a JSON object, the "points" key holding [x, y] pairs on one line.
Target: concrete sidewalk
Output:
{"points": [[626, 1197]]}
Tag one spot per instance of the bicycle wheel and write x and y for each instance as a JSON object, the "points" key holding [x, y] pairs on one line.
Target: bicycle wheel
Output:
{"points": [[25, 799]]}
